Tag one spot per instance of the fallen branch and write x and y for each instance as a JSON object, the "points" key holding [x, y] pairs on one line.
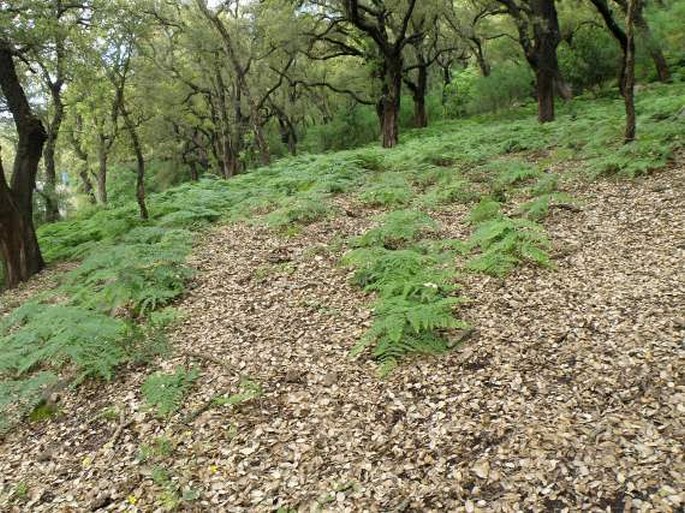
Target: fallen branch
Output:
{"points": [[212, 359]]}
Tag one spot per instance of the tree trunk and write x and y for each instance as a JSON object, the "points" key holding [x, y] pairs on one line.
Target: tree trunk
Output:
{"points": [[603, 7], [629, 83], [547, 38], [87, 184], [140, 159], [390, 102], [419, 97], [194, 176], [483, 64], [288, 133], [19, 248], [140, 170], [50, 191], [102, 170]]}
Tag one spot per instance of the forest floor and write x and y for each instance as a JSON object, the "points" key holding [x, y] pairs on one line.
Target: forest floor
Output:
{"points": [[568, 396]]}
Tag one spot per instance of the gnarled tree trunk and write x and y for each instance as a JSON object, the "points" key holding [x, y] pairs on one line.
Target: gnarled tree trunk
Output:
{"points": [[19, 248]]}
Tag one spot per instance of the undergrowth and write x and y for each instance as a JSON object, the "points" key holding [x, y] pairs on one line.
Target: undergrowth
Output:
{"points": [[104, 313], [414, 286]]}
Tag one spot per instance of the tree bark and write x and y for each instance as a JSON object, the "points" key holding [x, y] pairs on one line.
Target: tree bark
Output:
{"points": [[483, 63], [629, 82], [419, 89], [547, 38], [102, 170], [541, 51], [390, 101], [19, 248], [604, 10], [50, 191], [140, 161]]}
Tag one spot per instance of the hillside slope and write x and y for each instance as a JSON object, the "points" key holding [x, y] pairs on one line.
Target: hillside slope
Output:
{"points": [[564, 391]]}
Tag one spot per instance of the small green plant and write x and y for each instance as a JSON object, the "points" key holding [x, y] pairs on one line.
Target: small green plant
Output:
{"points": [[43, 411], [248, 390], [485, 210], [403, 326], [165, 392], [20, 492], [398, 228], [515, 172], [504, 243]]}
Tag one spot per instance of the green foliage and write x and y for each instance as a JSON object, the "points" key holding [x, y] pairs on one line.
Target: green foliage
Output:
{"points": [[485, 210], [404, 326], [505, 243], [248, 390], [405, 273], [592, 60], [59, 335], [413, 288], [298, 210], [387, 190], [515, 172], [472, 93], [165, 391], [397, 228], [139, 277]]}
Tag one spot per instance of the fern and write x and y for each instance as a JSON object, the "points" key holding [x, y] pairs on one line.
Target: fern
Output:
{"points": [[299, 210], [506, 242], [404, 273], [165, 391], [390, 189], [18, 397], [140, 277], [538, 208], [404, 325], [485, 210], [398, 228], [515, 173], [55, 336]]}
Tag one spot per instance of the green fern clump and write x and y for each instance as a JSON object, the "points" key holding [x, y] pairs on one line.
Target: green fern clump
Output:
{"points": [[405, 326], [304, 209], [413, 286], [504, 243], [139, 277], [403, 273], [398, 228], [514, 173], [387, 190], [42, 335], [165, 392], [486, 209]]}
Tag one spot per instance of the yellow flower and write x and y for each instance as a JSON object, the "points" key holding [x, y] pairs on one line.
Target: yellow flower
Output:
{"points": [[213, 469], [132, 499]]}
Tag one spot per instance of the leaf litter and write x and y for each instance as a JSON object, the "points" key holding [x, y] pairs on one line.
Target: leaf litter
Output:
{"points": [[569, 396]]}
